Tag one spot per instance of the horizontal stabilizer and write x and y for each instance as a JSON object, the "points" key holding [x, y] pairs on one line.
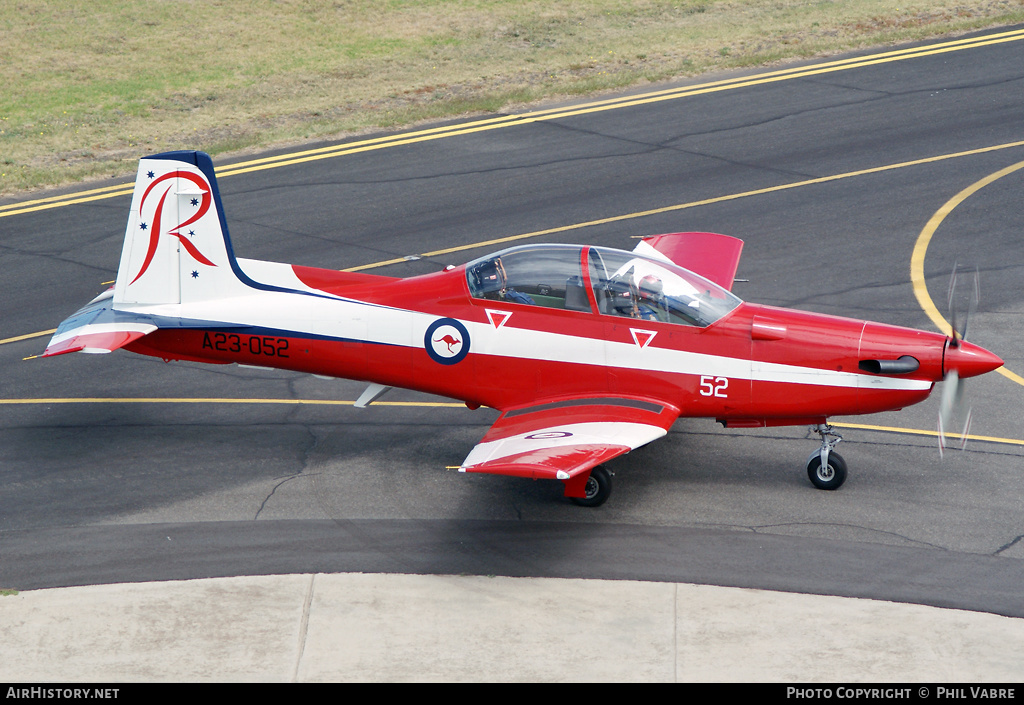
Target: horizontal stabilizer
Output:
{"points": [[98, 328]]}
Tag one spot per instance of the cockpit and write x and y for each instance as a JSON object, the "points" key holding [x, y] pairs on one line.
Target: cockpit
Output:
{"points": [[612, 282]]}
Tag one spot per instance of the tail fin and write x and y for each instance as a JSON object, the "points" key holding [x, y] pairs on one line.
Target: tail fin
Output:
{"points": [[176, 251], [176, 246]]}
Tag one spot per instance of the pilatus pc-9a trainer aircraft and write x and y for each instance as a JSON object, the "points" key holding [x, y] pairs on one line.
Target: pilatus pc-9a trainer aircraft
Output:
{"points": [[587, 352]]}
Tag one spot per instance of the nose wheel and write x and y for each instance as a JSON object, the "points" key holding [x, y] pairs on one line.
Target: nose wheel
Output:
{"points": [[826, 469], [829, 477]]}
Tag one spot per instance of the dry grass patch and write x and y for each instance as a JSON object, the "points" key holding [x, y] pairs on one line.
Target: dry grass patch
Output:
{"points": [[91, 86]]}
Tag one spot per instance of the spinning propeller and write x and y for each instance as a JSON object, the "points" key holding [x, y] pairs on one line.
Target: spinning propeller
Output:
{"points": [[952, 410]]}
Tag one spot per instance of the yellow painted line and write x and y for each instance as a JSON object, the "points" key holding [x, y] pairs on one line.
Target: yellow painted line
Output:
{"points": [[538, 115], [919, 432], [61, 197], [614, 104], [420, 404], [625, 101], [69, 200], [676, 92], [921, 249], [695, 204], [28, 336]]}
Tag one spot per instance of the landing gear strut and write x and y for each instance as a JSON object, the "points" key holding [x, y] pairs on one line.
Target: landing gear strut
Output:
{"points": [[826, 468]]}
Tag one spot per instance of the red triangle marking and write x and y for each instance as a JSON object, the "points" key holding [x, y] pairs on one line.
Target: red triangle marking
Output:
{"points": [[643, 338], [498, 318]]}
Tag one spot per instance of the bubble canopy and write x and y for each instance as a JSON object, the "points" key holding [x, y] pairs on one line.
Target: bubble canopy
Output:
{"points": [[617, 282]]}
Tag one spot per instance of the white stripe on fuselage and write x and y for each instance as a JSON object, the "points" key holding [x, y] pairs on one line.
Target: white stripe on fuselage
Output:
{"points": [[335, 317]]}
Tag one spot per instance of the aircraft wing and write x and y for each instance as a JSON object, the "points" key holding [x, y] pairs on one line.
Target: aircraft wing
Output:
{"points": [[562, 440], [98, 328], [713, 256]]}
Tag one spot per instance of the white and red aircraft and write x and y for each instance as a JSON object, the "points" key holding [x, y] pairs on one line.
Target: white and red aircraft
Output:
{"points": [[587, 352]]}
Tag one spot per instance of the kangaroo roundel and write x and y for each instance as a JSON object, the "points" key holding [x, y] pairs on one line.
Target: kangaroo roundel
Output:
{"points": [[446, 341]]}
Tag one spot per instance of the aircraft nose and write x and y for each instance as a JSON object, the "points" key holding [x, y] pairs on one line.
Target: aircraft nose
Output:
{"points": [[969, 360]]}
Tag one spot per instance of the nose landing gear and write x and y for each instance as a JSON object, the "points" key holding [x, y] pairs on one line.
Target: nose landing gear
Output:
{"points": [[826, 468]]}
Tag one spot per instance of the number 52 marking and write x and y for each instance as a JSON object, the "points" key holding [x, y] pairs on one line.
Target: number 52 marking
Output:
{"points": [[714, 386]]}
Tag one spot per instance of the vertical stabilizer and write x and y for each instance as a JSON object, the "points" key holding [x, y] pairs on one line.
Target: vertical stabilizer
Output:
{"points": [[176, 246]]}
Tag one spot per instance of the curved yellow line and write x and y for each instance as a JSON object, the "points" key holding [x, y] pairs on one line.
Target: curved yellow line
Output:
{"points": [[921, 249]]}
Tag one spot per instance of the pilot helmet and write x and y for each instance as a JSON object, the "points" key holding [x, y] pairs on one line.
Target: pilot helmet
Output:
{"points": [[651, 287], [490, 276]]}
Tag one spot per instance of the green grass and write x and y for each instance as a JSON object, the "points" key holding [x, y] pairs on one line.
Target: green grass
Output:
{"points": [[90, 86]]}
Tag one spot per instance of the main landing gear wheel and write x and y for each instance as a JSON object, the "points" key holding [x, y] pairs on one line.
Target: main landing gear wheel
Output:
{"points": [[830, 477], [598, 488]]}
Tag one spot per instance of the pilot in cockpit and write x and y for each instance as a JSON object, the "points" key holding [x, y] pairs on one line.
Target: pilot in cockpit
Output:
{"points": [[492, 283], [643, 299], [650, 299]]}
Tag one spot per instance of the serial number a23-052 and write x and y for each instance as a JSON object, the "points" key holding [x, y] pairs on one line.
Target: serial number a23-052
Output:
{"points": [[255, 344]]}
